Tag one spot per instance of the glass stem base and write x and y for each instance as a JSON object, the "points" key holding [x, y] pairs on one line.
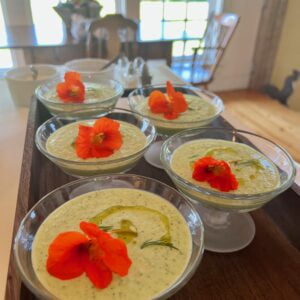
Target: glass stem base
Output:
{"points": [[152, 155], [226, 232]]}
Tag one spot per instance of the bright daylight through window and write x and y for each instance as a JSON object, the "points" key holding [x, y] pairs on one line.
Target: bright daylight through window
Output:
{"points": [[183, 21]]}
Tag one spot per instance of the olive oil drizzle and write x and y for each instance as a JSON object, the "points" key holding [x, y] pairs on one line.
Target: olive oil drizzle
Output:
{"points": [[128, 231], [255, 162]]}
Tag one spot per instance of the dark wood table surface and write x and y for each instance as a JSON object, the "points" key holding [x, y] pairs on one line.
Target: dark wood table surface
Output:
{"points": [[269, 268]]}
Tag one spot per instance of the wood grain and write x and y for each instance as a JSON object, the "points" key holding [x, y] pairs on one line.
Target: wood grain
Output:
{"points": [[267, 269], [266, 117]]}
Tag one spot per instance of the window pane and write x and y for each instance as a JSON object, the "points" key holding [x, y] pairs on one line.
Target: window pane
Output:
{"points": [[195, 29], [175, 10], [174, 30], [189, 45], [109, 7], [43, 14], [5, 54], [150, 30], [177, 49], [197, 11], [151, 10]]}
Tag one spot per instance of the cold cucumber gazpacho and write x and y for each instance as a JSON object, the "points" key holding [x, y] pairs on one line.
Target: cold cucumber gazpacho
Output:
{"points": [[73, 90], [175, 110], [96, 140], [224, 166], [115, 243]]}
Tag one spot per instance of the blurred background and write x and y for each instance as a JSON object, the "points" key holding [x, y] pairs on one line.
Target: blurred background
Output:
{"points": [[263, 50]]}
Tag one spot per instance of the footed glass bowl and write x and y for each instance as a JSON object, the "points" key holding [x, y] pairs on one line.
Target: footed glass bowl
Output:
{"points": [[107, 93], [228, 227], [192, 118], [138, 100], [84, 168], [35, 217]]}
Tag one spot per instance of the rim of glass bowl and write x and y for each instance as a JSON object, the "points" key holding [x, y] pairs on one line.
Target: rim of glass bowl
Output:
{"points": [[226, 195], [181, 281], [119, 89], [219, 107], [95, 59], [107, 162]]}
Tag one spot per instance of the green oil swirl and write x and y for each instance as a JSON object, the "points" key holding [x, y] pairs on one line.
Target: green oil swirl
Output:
{"points": [[127, 230]]}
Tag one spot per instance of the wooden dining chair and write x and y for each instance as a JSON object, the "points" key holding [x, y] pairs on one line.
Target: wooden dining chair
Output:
{"points": [[111, 35], [199, 69]]}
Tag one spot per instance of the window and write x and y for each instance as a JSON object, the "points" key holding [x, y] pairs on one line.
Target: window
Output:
{"points": [[44, 14], [184, 21], [5, 54]]}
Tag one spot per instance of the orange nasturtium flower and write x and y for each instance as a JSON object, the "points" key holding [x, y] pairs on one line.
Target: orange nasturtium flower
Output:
{"points": [[95, 253], [216, 172], [171, 106], [72, 89], [101, 140]]}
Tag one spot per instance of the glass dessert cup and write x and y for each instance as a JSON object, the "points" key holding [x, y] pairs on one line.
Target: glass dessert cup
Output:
{"points": [[87, 66], [91, 108], [35, 217], [91, 168], [166, 128], [228, 226]]}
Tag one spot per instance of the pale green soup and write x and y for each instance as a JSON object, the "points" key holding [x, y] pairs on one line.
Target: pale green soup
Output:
{"points": [[254, 172], [93, 93], [153, 269], [61, 142], [199, 111]]}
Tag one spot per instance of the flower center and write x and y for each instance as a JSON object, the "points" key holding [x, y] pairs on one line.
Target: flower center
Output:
{"points": [[74, 90], [98, 138]]}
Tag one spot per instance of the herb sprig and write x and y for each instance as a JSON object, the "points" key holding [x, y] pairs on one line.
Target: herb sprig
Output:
{"points": [[158, 243]]}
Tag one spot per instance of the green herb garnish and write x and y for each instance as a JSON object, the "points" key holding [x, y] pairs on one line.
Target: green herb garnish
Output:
{"points": [[158, 243], [252, 161], [105, 228]]}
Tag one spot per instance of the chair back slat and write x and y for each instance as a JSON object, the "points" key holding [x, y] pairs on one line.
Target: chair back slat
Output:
{"points": [[207, 56], [107, 35]]}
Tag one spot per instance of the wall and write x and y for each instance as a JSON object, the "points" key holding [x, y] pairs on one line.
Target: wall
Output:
{"points": [[236, 65], [288, 54]]}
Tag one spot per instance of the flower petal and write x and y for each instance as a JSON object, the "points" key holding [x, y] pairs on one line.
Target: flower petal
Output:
{"points": [[102, 152], [170, 89], [98, 141], [62, 90], [98, 273], [105, 124], [83, 141], [71, 91], [216, 172], [113, 140], [171, 115], [179, 103], [66, 255], [115, 254], [158, 102], [91, 230], [70, 76]]}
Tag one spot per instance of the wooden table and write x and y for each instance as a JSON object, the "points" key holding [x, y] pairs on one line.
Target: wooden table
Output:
{"points": [[269, 268]]}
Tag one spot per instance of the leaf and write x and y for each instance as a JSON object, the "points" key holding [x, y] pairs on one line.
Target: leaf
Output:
{"points": [[158, 243], [105, 228]]}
